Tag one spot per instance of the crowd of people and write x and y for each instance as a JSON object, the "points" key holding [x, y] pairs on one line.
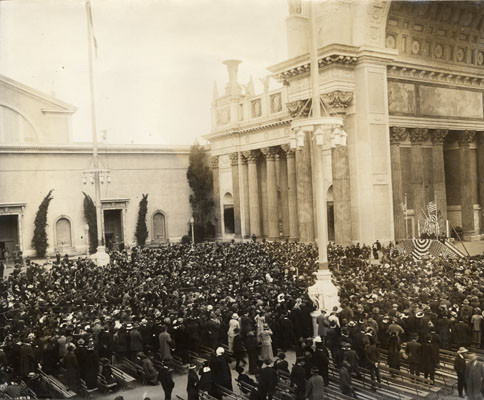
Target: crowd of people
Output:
{"points": [[74, 319]]}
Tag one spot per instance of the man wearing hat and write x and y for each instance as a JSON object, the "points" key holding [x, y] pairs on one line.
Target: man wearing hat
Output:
{"points": [[268, 380], [192, 383], [219, 366], [473, 378], [460, 369], [413, 351], [315, 386], [298, 378], [233, 324]]}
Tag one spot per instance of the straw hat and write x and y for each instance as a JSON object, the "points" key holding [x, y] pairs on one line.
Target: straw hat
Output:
{"points": [[462, 350]]}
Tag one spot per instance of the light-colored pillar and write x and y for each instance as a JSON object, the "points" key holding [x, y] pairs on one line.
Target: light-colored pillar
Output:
{"points": [[254, 205], [417, 137], [283, 188], [216, 197], [466, 204], [397, 135], [341, 195], [305, 192], [234, 158], [480, 174], [438, 172], [263, 196], [272, 209], [245, 183], [291, 191]]}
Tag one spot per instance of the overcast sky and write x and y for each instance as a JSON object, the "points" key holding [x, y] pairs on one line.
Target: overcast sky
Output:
{"points": [[156, 64]]}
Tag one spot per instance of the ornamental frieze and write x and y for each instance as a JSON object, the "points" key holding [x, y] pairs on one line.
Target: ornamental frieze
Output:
{"points": [[338, 101]]}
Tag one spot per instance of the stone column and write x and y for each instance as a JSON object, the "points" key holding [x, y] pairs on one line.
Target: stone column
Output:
{"points": [[216, 197], [341, 195], [263, 196], [272, 209], [466, 204], [291, 192], [397, 135], [234, 157], [253, 189], [245, 182], [417, 137], [283, 188], [480, 172], [305, 192], [438, 172]]}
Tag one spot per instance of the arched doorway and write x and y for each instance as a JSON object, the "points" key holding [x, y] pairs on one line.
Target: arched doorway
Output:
{"points": [[229, 223], [159, 227], [330, 213], [63, 234]]}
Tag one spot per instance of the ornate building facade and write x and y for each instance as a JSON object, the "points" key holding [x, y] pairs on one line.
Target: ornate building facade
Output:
{"points": [[407, 78]]}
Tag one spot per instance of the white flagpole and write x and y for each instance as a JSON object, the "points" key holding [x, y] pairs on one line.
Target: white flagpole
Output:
{"points": [[406, 224]]}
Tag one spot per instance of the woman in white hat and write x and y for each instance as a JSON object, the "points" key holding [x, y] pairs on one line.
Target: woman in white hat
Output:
{"points": [[233, 324]]}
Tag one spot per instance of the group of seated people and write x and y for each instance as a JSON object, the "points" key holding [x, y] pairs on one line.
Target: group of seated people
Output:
{"points": [[74, 320]]}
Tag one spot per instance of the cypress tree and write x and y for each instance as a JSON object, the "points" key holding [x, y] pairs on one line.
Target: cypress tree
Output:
{"points": [[91, 219], [141, 228], [39, 240]]}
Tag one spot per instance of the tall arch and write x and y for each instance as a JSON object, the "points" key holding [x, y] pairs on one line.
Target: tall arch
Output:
{"points": [[16, 127], [63, 234], [159, 227], [229, 217]]}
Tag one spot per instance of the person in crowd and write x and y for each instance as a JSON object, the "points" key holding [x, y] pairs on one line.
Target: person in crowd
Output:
{"points": [[298, 378], [206, 382], [233, 325], [474, 373], [268, 380], [315, 386], [219, 365], [252, 347], [345, 380], [166, 379], [266, 343], [320, 360], [150, 373], [244, 378], [192, 383], [460, 370], [72, 368], [428, 360], [280, 363], [238, 348], [372, 358], [165, 343], [413, 350]]}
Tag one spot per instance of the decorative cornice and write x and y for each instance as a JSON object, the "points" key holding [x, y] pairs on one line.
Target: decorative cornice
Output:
{"points": [[338, 101], [465, 138], [398, 135], [231, 132], [419, 135], [430, 74], [438, 135]]}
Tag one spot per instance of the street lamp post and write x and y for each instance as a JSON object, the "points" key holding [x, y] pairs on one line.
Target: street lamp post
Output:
{"points": [[327, 133], [192, 223]]}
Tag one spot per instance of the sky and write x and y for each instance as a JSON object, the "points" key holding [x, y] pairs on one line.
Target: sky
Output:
{"points": [[156, 63]]}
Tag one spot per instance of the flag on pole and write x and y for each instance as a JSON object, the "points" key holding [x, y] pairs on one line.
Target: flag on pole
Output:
{"points": [[89, 14], [404, 208], [432, 208]]}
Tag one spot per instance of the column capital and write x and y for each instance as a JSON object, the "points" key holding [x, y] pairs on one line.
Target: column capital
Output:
{"points": [[419, 135], [438, 136], [466, 138], [251, 156], [338, 101], [234, 158], [243, 158], [398, 135], [290, 153], [269, 153], [214, 162]]}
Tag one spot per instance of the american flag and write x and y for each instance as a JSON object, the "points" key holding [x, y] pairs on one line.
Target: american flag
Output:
{"points": [[432, 208], [404, 208]]}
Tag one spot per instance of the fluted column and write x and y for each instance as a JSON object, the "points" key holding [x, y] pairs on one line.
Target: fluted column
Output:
{"points": [[245, 182], [438, 172], [234, 158], [216, 197], [272, 209], [253, 189], [417, 137], [305, 192], [397, 135], [466, 204], [283, 189], [480, 174], [262, 167], [291, 192], [341, 195]]}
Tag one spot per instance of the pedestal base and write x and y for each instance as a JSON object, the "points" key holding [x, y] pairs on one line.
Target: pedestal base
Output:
{"points": [[324, 293], [100, 257]]}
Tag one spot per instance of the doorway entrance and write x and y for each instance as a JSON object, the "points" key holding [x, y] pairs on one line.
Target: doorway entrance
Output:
{"points": [[9, 236], [113, 229]]}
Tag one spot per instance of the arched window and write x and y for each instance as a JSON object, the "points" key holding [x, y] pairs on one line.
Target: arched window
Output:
{"points": [[159, 227], [63, 234]]}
